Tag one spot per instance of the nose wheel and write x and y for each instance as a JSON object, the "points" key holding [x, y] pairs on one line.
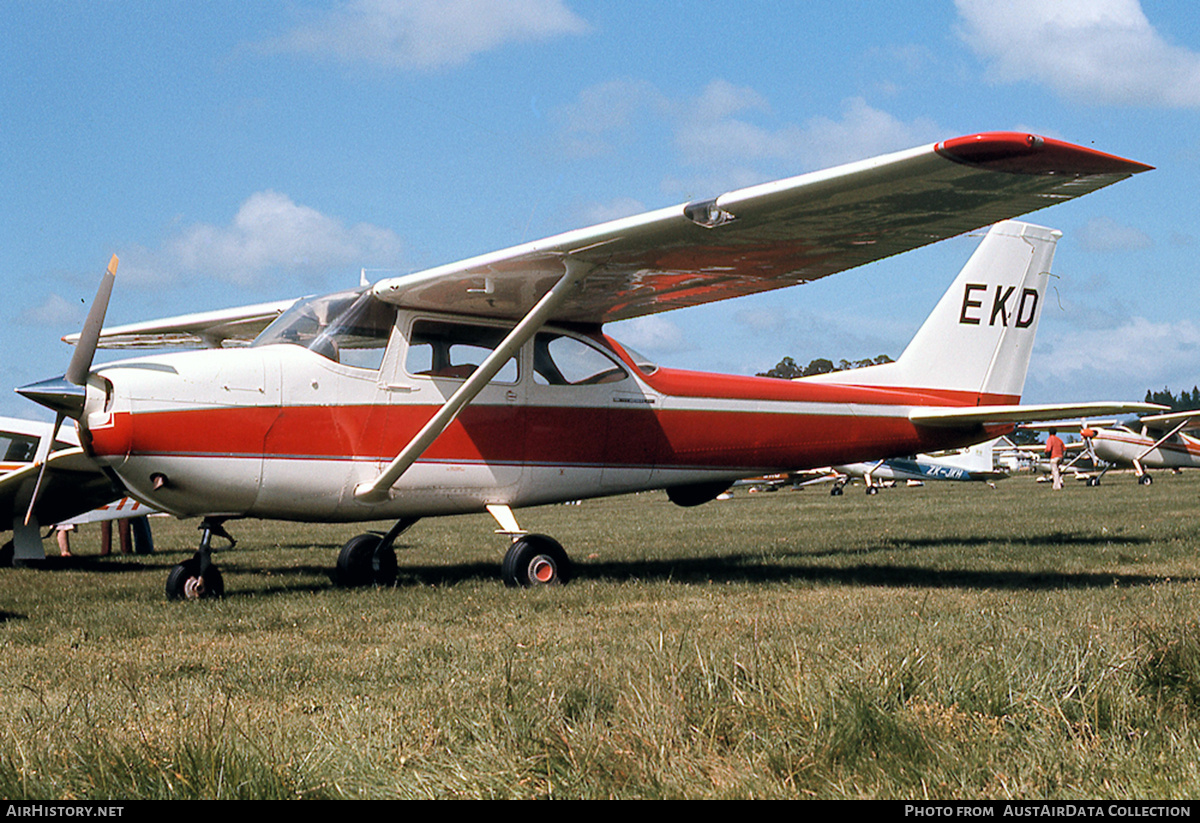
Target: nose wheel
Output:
{"points": [[198, 578], [185, 582]]}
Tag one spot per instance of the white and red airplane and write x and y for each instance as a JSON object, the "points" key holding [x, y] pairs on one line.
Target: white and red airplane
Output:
{"points": [[488, 384], [1153, 441]]}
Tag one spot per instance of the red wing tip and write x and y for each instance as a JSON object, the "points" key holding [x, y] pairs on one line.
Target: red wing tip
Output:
{"points": [[1021, 153]]}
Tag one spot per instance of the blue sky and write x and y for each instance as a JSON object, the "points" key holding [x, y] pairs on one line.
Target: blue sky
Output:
{"points": [[233, 152]]}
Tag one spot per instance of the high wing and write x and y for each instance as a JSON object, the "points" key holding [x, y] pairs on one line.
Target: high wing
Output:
{"points": [[751, 240], [772, 235], [211, 329], [1179, 421]]}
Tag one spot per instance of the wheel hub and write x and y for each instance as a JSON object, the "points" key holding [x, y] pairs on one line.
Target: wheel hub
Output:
{"points": [[193, 588], [542, 569]]}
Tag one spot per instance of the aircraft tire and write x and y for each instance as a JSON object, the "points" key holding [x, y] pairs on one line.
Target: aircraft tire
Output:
{"points": [[362, 563], [836, 491], [181, 582], [872, 490], [1145, 480], [535, 560]]}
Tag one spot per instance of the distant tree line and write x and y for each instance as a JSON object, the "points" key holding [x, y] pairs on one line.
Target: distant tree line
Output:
{"points": [[1186, 401], [788, 369]]}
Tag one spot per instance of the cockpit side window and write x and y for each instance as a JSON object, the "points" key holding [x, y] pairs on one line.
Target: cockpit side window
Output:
{"points": [[437, 348], [18, 448], [559, 360]]}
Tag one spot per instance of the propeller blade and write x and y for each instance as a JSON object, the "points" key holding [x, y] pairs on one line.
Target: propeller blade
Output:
{"points": [[42, 457], [89, 336], [66, 395]]}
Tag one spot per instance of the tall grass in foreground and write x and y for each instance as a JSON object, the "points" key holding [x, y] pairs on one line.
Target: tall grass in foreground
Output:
{"points": [[942, 642]]}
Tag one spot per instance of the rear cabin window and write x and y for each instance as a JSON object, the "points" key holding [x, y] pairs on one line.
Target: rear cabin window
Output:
{"points": [[559, 360], [440, 349]]}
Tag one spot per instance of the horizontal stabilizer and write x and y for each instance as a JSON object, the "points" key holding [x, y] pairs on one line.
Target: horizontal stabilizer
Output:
{"points": [[983, 415]]}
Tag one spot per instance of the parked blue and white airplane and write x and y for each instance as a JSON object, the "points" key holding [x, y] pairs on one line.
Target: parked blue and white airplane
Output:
{"points": [[972, 464]]}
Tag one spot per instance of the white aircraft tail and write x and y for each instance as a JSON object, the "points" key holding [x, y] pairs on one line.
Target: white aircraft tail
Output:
{"points": [[979, 337], [976, 459]]}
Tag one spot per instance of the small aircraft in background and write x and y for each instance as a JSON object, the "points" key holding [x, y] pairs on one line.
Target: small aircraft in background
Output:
{"points": [[972, 464], [489, 384], [74, 488], [1153, 441], [1156, 441]]}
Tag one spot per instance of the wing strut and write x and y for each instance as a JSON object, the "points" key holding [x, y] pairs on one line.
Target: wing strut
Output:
{"points": [[377, 490], [1183, 425]]}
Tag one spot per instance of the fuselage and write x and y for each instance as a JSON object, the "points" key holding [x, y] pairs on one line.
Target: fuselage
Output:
{"points": [[1122, 445], [287, 431]]}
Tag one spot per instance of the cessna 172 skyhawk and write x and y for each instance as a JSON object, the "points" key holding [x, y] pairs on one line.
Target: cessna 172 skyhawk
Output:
{"points": [[488, 384]]}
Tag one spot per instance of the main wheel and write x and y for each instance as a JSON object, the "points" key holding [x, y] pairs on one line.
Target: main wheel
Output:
{"points": [[872, 490], [183, 582], [536, 560], [1145, 480], [836, 491], [362, 563]]}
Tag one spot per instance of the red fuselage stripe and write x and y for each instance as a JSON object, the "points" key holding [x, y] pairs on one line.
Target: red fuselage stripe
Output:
{"points": [[521, 434]]}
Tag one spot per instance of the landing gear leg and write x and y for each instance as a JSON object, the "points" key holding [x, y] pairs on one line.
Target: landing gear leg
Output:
{"points": [[199, 578]]}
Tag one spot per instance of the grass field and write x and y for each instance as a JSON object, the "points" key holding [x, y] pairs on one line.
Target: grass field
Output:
{"points": [[950, 641]]}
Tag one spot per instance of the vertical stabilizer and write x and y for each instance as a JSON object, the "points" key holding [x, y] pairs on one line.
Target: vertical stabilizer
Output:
{"points": [[980, 336]]}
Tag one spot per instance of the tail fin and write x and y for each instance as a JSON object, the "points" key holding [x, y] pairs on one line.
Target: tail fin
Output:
{"points": [[979, 337]]}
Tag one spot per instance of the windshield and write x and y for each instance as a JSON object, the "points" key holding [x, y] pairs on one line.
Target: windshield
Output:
{"points": [[351, 327]]}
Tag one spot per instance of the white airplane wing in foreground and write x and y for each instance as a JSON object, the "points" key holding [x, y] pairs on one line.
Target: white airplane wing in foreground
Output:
{"points": [[73, 487], [751, 240]]}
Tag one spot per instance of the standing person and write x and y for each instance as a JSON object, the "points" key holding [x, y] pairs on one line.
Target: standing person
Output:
{"points": [[63, 535], [1054, 449], [123, 531]]}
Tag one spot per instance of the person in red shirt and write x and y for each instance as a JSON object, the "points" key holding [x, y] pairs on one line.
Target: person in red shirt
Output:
{"points": [[1055, 449]]}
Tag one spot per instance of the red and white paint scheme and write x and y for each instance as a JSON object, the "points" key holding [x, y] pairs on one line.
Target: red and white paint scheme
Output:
{"points": [[1157, 441], [488, 384]]}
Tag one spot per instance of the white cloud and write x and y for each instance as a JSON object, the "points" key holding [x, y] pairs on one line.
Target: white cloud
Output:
{"points": [[730, 131], [427, 34], [1136, 352], [54, 311], [710, 133], [269, 233], [1103, 234], [606, 114], [1094, 50], [652, 335]]}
